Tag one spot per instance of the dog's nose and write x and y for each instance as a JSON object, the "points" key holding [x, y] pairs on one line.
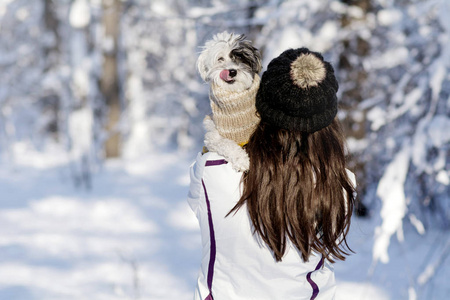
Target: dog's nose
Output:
{"points": [[232, 72]]}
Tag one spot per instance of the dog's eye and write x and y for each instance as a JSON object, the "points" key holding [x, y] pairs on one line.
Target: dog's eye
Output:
{"points": [[221, 59]]}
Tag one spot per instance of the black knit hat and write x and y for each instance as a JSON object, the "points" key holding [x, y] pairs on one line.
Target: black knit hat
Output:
{"points": [[298, 91]]}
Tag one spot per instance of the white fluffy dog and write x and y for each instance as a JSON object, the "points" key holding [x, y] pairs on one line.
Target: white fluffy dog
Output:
{"points": [[230, 64]]}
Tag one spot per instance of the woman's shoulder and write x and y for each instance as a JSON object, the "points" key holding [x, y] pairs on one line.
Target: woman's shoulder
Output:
{"points": [[205, 158]]}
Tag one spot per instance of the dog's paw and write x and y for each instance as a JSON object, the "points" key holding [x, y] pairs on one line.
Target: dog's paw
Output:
{"points": [[240, 162], [231, 151]]}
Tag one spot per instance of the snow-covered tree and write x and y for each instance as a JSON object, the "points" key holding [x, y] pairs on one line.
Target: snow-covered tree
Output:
{"points": [[50, 55], [24, 44], [408, 142]]}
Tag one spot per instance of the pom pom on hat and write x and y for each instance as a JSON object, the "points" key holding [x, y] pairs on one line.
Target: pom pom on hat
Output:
{"points": [[298, 91], [307, 70]]}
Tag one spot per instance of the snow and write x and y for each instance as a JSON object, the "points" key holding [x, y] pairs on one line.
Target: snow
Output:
{"points": [[59, 242], [438, 136], [81, 81], [412, 295], [433, 267], [108, 44], [439, 73], [388, 17], [22, 14], [161, 8], [80, 14], [355, 12], [390, 58], [391, 192], [443, 177], [417, 224], [80, 124], [444, 12], [377, 117], [355, 145], [325, 39]]}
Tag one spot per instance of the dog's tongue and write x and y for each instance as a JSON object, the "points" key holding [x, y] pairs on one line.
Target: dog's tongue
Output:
{"points": [[225, 76]]}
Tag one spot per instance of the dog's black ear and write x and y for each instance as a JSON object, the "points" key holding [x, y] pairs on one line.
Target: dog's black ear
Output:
{"points": [[249, 54], [201, 65]]}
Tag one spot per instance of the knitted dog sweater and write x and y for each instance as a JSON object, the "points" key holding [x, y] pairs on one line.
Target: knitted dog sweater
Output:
{"points": [[234, 114]]}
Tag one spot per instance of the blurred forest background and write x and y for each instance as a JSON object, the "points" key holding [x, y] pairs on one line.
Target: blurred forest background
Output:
{"points": [[105, 79]]}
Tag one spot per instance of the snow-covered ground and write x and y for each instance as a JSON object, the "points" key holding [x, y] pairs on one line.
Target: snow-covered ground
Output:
{"points": [[133, 236]]}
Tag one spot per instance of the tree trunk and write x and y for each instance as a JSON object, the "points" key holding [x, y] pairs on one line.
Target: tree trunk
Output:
{"points": [[352, 97], [51, 24], [52, 53], [109, 83]]}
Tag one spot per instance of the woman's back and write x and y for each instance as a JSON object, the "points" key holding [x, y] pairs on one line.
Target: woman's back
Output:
{"points": [[236, 263]]}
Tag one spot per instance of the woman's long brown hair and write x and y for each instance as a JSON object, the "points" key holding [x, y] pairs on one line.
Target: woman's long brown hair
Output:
{"points": [[297, 188]]}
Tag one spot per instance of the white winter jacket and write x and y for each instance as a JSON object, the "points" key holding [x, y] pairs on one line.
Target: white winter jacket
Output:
{"points": [[237, 264]]}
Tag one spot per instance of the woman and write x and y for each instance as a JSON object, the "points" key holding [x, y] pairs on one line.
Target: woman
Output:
{"points": [[273, 232]]}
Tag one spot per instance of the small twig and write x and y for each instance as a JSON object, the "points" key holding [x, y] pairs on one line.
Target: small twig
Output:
{"points": [[411, 290], [432, 268], [132, 262]]}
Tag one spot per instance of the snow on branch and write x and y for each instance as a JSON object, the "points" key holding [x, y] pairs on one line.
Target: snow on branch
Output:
{"points": [[392, 194]]}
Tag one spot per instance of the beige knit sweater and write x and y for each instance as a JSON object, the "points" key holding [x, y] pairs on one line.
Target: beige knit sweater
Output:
{"points": [[234, 114]]}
